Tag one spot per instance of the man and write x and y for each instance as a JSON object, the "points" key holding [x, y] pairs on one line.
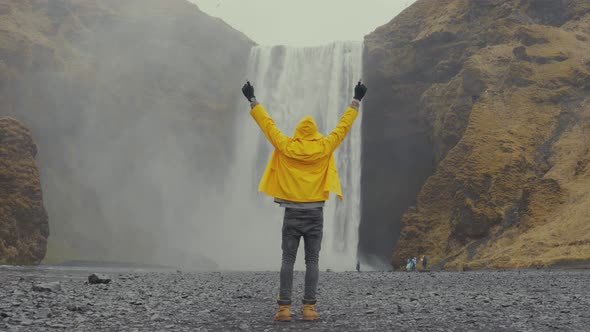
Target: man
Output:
{"points": [[300, 175]]}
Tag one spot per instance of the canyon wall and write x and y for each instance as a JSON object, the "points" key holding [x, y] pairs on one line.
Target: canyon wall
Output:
{"points": [[476, 137], [23, 220]]}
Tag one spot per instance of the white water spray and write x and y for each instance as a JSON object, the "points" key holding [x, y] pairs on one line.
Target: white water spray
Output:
{"points": [[291, 83]]}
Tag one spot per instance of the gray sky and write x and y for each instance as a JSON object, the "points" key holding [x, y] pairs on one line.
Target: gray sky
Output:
{"points": [[304, 22]]}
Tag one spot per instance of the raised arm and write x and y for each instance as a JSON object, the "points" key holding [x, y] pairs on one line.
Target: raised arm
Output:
{"points": [[264, 121], [268, 127], [343, 127], [337, 135]]}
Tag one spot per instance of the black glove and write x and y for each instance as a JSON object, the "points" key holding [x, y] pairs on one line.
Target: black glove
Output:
{"points": [[359, 91], [248, 91]]}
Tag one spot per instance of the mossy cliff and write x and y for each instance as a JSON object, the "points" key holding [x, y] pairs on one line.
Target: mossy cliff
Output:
{"points": [[132, 105], [477, 133], [23, 220]]}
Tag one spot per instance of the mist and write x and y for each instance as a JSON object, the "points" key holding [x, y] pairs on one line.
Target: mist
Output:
{"points": [[140, 123], [135, 129]]}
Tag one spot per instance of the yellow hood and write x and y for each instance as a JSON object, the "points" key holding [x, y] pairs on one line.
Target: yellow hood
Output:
{"points": [[302, 167], [307, 130]]}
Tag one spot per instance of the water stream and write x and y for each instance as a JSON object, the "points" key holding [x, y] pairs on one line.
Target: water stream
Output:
{"points": [[292, 82]]}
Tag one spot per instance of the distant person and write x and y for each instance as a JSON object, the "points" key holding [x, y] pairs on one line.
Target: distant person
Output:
{"points": [[424, 263], [414, 264], [300, 175], [358, 266], [409, 265]]}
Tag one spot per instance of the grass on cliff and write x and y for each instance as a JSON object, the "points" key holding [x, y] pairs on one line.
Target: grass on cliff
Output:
{"points": [[526, 147]]}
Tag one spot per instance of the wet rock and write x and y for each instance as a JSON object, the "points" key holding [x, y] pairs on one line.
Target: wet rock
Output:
{"points": [[75, 308], [399, 309], [243, 296], [56, 325], [520, 53], [47, 287], [98, 279]]}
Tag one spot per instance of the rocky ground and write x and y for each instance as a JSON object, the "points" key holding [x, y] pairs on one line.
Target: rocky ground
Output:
{"points": [[531, 300]]}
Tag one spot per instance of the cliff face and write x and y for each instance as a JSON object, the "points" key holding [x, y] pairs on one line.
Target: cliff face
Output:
{"points": [[132, 104], [492, 99], [23, 219]]}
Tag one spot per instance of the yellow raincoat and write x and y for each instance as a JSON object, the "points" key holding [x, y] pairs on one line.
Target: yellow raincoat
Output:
{"points": [[302, 167]]}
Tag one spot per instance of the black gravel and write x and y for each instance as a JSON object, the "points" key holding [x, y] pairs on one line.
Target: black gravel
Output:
{"points": [[532, 300]]}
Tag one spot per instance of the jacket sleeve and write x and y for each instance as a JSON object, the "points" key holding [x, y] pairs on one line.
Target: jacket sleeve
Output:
{"points": [[268, 127], [339, 133]]}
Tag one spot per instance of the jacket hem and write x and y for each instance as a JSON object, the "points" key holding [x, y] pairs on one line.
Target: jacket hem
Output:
{"points": [[298, 200]]}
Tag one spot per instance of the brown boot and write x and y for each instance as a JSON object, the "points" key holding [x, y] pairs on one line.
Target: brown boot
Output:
{"points": [[309, 312], [284, 313]]}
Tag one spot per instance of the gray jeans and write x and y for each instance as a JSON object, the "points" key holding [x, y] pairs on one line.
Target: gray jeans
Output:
{"points": [[308, 223]]}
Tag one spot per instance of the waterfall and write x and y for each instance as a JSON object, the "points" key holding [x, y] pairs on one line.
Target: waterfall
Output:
{"points": [[292, 82]]}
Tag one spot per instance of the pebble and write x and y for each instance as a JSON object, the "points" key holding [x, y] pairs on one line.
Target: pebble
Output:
{"points": [[98, 279], [47, 287]]}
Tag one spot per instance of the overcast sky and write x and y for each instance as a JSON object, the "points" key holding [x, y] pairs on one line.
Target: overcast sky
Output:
{"points": [[304, 22]]}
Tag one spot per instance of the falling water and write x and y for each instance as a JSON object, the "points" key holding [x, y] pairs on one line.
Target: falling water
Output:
{"points": [[291, 83]]}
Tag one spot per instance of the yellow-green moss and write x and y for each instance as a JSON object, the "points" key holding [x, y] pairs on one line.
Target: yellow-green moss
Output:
{"points": [[513, 162]]}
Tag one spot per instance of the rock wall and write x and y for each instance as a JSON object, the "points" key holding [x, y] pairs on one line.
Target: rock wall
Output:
{"points": [[132, 104], [23, 220], [489, 100]]}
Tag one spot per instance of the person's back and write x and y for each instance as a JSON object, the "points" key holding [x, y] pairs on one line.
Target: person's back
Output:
{"points": [[302, 168], [300, 175]]}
